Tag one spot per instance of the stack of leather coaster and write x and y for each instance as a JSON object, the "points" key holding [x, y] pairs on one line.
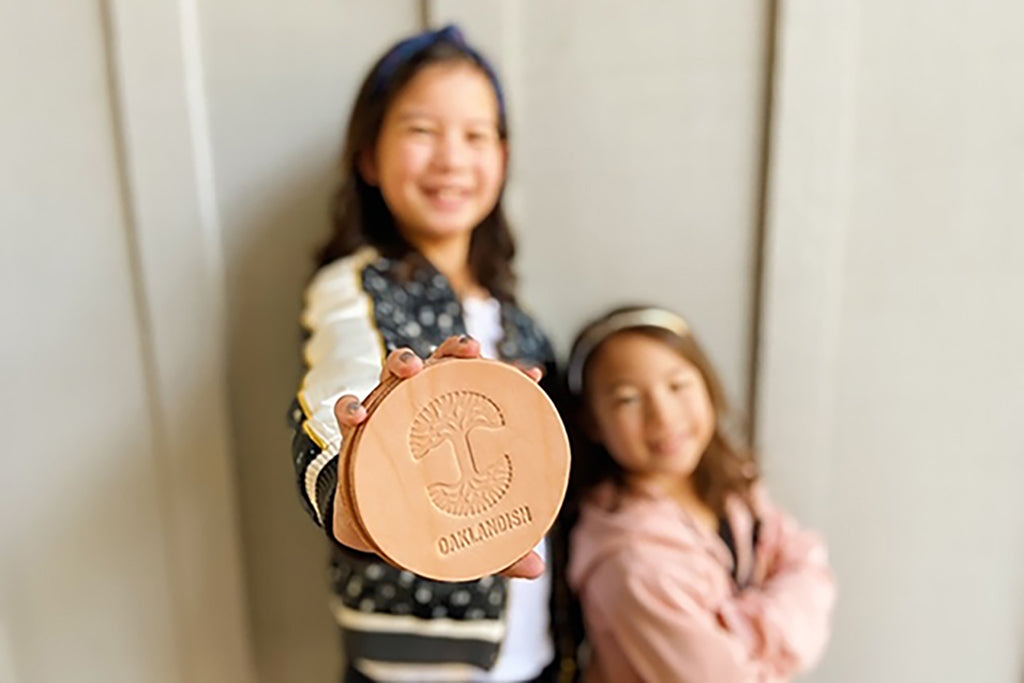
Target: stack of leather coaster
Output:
{"points": [[457, 472]]}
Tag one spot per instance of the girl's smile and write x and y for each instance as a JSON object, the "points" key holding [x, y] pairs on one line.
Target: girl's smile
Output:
{"points": [[439, 160], [650, 407]]}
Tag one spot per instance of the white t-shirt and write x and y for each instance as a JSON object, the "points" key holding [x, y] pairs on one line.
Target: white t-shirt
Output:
{"points": [[527, 647]]}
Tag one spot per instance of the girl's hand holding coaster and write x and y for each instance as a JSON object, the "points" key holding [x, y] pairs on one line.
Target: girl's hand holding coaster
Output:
{"points": [[451, 518]]}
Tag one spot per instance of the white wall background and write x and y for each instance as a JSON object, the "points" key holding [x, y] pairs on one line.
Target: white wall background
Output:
{"points": [[166, 168], [893, 383], [120, 553]]}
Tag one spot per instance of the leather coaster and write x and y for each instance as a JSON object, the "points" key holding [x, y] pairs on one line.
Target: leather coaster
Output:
{"points": [[352, 532], [459, 471]]}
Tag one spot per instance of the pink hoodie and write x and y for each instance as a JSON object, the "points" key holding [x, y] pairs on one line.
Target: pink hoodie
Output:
{"points": [[661, 605]]}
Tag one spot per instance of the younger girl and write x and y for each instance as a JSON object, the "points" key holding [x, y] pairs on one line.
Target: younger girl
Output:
{"points": [[684, 568], [419, 264]]}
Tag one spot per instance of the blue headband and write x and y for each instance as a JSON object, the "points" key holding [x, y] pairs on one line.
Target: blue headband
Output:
{"points": [[404, 51]]}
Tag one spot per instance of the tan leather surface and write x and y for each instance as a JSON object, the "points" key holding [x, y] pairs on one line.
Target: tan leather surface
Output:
{"points": [[457, 472]]}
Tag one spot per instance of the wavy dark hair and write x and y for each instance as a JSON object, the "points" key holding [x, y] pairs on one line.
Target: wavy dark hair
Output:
{"points": [[727, 467], [360, 217]]}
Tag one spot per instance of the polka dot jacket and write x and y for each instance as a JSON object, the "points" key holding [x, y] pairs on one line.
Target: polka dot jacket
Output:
{"points": [[357, 310]]}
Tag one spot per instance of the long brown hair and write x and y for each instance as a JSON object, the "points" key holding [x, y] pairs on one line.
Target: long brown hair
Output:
{"points": [[726, 468], [360, 216]]}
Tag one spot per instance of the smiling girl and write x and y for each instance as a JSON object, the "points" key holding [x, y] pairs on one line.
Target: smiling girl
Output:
{"points": [[684, 568], [419, 267]]}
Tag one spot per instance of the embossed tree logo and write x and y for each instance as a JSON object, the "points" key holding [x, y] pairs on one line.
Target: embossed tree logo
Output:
{"points": [[451, 418]]}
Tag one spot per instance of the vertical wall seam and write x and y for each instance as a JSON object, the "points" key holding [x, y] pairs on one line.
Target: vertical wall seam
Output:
{"points": [[760, 242], [140, 299], [424, 14], [214, 263]]}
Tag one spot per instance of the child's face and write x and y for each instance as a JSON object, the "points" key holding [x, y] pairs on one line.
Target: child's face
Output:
{"points": [[650, 406], [439, 161]]}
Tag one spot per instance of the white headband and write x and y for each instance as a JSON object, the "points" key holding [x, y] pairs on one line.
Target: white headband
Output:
{"points": [[617, 322]]}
